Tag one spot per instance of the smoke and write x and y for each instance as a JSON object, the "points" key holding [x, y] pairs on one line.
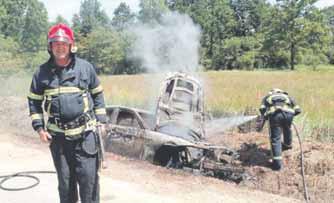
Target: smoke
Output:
{"points": [[172, 45]]}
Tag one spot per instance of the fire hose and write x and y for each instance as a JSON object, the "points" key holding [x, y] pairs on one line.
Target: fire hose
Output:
{"points": [[306, 195], [25, 174]]}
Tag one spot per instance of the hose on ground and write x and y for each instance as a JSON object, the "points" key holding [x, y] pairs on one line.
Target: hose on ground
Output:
{"points": [[25, 174], [306, 195]]}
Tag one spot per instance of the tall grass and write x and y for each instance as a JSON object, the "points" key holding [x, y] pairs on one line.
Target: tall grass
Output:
{"points": [[225, 91], [235, 91]]}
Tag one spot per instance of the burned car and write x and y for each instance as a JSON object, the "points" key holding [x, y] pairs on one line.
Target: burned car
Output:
{"points": [[181, 102], [174, 135], [131, 132]]}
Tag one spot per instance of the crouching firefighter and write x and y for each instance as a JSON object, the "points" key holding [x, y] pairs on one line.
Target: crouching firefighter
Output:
{"points": [[70, 92], [279, 108]]}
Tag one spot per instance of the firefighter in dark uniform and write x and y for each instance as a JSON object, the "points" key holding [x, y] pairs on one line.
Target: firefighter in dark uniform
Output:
{"points": [[279, 108], [70, 92]]}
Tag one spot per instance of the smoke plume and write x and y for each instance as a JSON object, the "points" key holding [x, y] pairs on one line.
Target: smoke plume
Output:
{"points": [[171, 45]]}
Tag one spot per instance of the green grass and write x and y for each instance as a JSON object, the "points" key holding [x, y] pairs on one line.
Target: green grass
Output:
{"points": [[236, 91], [225, 91]]}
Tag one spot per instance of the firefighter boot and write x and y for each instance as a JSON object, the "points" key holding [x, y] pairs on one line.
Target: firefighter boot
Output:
{"points": [[286, 147], [277, 165]]}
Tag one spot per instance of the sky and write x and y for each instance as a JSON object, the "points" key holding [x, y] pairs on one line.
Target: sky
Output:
{"points": [[67, 8]]}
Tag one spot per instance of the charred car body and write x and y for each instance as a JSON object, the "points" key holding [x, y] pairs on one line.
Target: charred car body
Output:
{"points": [[173, 136]]}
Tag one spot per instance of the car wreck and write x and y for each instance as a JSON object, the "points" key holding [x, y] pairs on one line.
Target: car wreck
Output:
{"points": [[174, 135]]}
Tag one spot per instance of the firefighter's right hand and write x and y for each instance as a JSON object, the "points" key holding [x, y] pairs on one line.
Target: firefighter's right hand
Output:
{"points": [[44, 136]]}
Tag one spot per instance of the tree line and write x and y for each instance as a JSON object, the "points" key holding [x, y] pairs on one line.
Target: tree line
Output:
{"points": [[236, 34]]}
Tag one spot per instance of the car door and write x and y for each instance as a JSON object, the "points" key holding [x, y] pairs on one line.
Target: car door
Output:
{"points": [[127, 134]]}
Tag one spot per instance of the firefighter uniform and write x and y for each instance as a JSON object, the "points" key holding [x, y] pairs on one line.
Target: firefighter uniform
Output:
{"points": [[72, 98], [279, 108]]}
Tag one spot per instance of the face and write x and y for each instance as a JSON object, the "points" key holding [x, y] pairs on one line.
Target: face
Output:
{"points": [[60, 50]]}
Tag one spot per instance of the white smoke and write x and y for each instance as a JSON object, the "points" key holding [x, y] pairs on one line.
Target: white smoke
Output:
{"points": [[172, 45]]}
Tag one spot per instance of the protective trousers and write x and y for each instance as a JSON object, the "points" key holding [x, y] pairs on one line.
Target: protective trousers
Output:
{"points": [[76, 162], [279, 121]]}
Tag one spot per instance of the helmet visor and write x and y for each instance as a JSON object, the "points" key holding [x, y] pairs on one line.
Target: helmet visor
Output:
{"points": [[60, 39]]}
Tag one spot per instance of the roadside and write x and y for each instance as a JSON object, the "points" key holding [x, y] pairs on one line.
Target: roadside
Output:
{"points": [[128, 180], [124, 181]]}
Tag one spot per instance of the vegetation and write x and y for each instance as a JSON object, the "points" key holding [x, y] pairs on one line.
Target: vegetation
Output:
{"points": [[236, 34], [225, 92], [236, 91]]}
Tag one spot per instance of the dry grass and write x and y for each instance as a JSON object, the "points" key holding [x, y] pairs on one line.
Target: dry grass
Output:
{"points": [[226, 91], [234, 91]]}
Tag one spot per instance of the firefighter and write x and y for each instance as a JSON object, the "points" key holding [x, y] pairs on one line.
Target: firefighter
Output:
{"points": [[68, 90], [279, 108]]}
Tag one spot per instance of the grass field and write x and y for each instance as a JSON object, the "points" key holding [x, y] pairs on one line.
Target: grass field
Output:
{"points": [[225, 91], [236, 91]]}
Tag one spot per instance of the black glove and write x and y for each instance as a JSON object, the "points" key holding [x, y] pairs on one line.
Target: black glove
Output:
{"points": [[260, 121], [297, 112]]}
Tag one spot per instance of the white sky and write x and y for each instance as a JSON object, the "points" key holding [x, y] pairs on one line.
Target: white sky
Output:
{"points": [[67, 8]]}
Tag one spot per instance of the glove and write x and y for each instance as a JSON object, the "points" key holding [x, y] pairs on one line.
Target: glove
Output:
{"points": [[297, 113], [260, 121]]}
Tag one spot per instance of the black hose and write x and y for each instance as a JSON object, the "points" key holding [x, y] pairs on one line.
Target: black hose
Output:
{"points": [[306, 195], [25, 174]]}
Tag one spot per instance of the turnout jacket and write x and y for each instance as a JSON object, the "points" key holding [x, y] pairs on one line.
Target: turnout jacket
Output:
{"points": [[278, 101], [66, 94]]}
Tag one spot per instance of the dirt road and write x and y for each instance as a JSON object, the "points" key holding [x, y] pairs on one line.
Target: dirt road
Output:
{"points": [[137, 181], [124, 181]]}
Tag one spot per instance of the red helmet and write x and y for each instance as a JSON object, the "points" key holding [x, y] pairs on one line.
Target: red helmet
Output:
{"points": [[61, 33]]}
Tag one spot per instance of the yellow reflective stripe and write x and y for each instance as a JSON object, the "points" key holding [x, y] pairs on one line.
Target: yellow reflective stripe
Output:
{"points": [[263, 106], [36, 116], [270, 98], [101, 111], [35, 96], [277, 158], [69, 132], [62, 90], [296, 107], [86, 103], [283, 108], [96, 90]]}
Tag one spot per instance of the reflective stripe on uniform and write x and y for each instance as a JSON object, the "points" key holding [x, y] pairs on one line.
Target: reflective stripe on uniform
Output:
{"points": [[86, 103], [296, 107], [277, 158], [285, 108], [48, 108], [36, 116], [70, 132], [62, 90], [66, 90], [35, 96], [270, 98], [100, 111], [96, 90]]}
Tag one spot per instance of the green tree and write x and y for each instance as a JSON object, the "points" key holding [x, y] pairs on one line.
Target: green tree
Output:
{"points": [[249, 15], [25, 21], [60, 19], [329, 21], [35, 27], [151, 10], [216, 20], [103, 48], [290, 27], [122, 17], [91, 16]]}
